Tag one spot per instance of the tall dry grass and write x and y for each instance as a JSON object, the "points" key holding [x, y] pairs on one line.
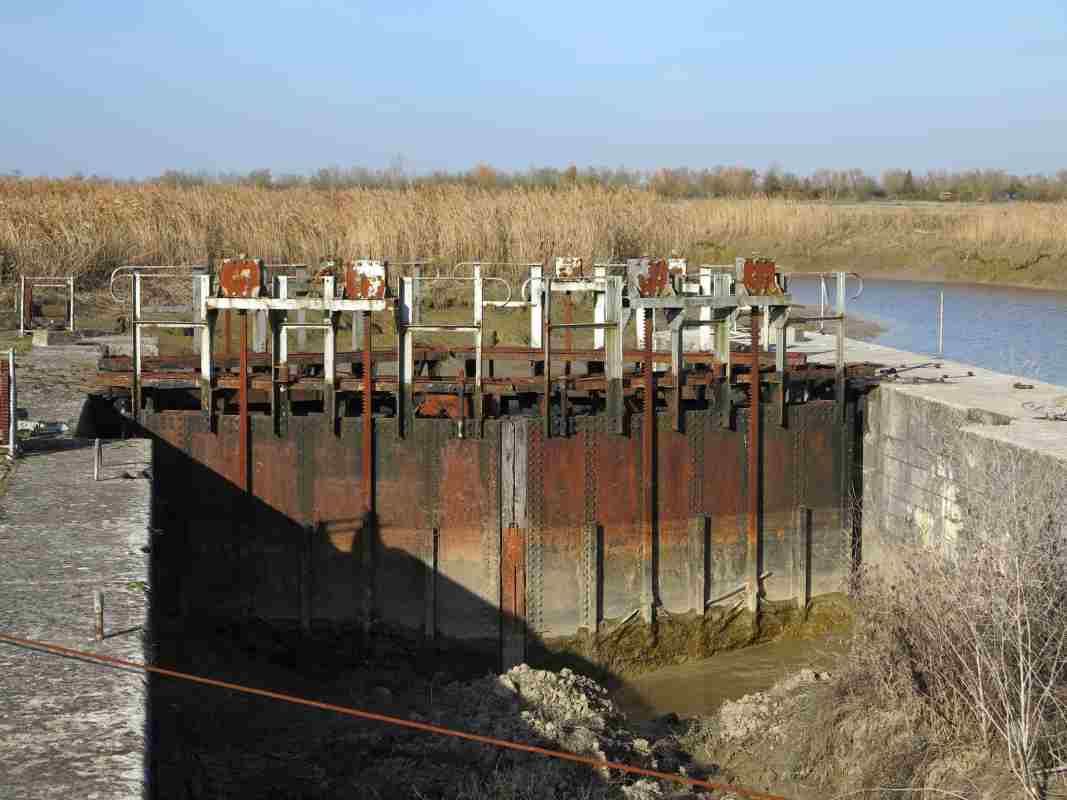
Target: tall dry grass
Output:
{"points": [[87, 228]]}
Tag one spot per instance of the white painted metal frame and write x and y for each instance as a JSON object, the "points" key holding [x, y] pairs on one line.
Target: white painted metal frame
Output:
{"points": [[406, 331], [44, 283]]}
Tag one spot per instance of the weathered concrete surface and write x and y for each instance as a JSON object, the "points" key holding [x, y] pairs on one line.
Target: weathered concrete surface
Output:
{"points": [[911, 488], [69, 728], [53, 381]]}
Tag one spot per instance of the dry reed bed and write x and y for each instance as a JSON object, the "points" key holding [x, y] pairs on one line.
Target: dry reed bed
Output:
{"points": [[59, 227]]}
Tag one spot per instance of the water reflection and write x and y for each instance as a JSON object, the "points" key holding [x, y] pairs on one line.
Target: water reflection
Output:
{"points": [[1013, 330]]}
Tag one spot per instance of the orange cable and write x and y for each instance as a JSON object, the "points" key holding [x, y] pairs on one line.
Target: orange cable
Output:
{"points": [[56, 649]]}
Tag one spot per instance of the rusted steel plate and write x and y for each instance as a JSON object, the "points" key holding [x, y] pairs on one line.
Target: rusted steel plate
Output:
{"points": [[673, 473], [467, 606], [564, 512], [366, 280], [651, 277], [618, 460], [761, 277], [780, 473], [404, 506], [241, 277], [449, 406]]}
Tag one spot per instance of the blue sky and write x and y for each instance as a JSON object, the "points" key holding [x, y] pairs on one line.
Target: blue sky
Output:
{"points": [[131, 89]]}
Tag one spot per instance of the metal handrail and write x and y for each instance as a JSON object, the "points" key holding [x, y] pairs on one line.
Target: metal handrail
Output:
{"points": [[164, 271]]}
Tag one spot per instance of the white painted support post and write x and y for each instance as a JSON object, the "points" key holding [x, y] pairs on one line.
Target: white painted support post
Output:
{"points": [[98, 459], [283, 340], [537, 309], [259, 332], [405, 355], [301, 333], [707, 288], [839, 355], [329, 345], [598, 309], [204, 337], [823, 302], [22, 305], [196, 313], [70, 285], [416, 295], [614, 350], [136, 398], [478, 396], [765, 334]]}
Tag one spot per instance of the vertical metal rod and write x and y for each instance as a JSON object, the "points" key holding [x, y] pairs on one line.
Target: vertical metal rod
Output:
{"points": [[368, 418], [941, 323], [599, 309], [648, 467], [98, 614], [98, 458], [839, 355], [822, 303], [754, 492], [243, 402], [22, 306], [136, 393], [70, 283], [546, 312], [568, 334]]}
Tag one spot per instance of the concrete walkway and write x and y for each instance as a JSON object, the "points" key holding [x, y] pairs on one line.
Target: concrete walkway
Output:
{"points": [[69, 728], [989, 399]]}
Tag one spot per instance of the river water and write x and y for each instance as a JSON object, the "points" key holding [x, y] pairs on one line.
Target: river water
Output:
{"points": [[1007, 329]]}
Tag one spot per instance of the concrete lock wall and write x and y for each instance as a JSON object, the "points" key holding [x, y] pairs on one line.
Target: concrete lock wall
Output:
{"points": [[471, 531], [924, 451]]}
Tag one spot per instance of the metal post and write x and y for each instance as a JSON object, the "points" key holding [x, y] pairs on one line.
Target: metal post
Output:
{"points": [[301, 333], [839, 356], [22, 305], [329, 355], [136, 393], [601, 299], [479, 398], [205, 341], [707, 288], [405, 369], [259, 340], [98, 458], [822, 303], [941, 323], [537, 309], [546, 309], [98, 615], [614, 351], [70, 284], [752, 565]]}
